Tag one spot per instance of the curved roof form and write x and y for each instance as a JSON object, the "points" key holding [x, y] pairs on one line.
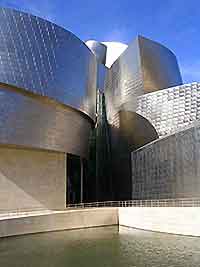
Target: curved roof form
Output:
{"points": [[98, 49], [43, 58], [114, 50], [144, 67], [159, 65]]}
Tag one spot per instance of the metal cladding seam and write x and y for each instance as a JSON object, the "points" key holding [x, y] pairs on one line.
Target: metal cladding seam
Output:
{"points": [[172, 109], [43, 58], [168, 167], [48, 80], [31, 122], [144, 67]]}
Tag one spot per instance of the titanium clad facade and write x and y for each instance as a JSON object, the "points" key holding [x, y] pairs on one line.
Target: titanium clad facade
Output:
{"points": [[48, 83], [43, 58], [133, 131], [31, 122], [101, 76], [98, 49], [145, 66], [141, 110], [168, 167], [159, 66], [111, 144], [124, 80], [172, 109]]}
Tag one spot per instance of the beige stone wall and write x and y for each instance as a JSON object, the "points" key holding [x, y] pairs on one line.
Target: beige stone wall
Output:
{"points": [[31, 179], [58, 220]]}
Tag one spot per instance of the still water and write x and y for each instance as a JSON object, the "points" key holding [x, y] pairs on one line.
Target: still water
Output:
{"points": [[100, 247]]}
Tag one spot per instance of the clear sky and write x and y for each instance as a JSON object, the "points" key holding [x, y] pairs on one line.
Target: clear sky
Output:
{"points": [[174, 23]]}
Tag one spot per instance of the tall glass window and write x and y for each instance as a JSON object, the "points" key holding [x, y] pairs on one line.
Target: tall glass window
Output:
{"points": [[73, 179]]}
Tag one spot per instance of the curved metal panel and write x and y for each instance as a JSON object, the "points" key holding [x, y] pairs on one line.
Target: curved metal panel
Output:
{"points": [[124, 80], [98, 49], [129, 131], [114, 50], [172, 109], [168, 167], [159, 66], [34, 123], [101, 76], [145, 66], [41, 57]]}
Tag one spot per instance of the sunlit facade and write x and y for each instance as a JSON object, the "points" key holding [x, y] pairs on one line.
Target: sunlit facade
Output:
{"points": [[75, 129]]}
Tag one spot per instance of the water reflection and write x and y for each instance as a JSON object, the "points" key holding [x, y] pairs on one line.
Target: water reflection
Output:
{"points": [[100, 247]]}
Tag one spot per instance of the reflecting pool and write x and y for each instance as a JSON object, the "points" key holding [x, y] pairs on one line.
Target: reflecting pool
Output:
{"points": [[100, 247]]}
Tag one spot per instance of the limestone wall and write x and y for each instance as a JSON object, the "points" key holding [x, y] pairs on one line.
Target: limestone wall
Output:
{"points": [[60, 220], [31, 179]]}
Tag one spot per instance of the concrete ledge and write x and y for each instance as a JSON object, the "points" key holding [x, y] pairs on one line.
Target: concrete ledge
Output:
{"points": [[58, 220], [174, 220]]}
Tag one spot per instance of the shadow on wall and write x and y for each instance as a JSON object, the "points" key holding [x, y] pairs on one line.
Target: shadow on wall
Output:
{"points": [[31, 179], [133, 131]]}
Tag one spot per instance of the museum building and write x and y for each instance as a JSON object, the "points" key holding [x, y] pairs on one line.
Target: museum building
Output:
{"points": [[73, 130]]}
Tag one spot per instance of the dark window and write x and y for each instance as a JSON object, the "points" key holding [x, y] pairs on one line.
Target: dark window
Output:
{"points": [[73, 179]]}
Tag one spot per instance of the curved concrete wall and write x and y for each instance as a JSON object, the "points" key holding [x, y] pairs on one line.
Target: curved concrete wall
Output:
{"points": [[35, 123], [43, 58]]}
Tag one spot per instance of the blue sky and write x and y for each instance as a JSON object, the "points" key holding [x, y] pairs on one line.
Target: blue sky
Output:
{"points": [[174, 23]]}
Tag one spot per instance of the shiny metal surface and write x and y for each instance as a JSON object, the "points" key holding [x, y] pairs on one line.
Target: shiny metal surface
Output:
{"points": [[145, 66], [169, 111], [98, 49], [114, 50], [159, 66], [129, 131], [34, 122], [52, 78], [133, 130], [101, 76], [172, 109], [43, 58], [168, 167], [124, 80]]}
